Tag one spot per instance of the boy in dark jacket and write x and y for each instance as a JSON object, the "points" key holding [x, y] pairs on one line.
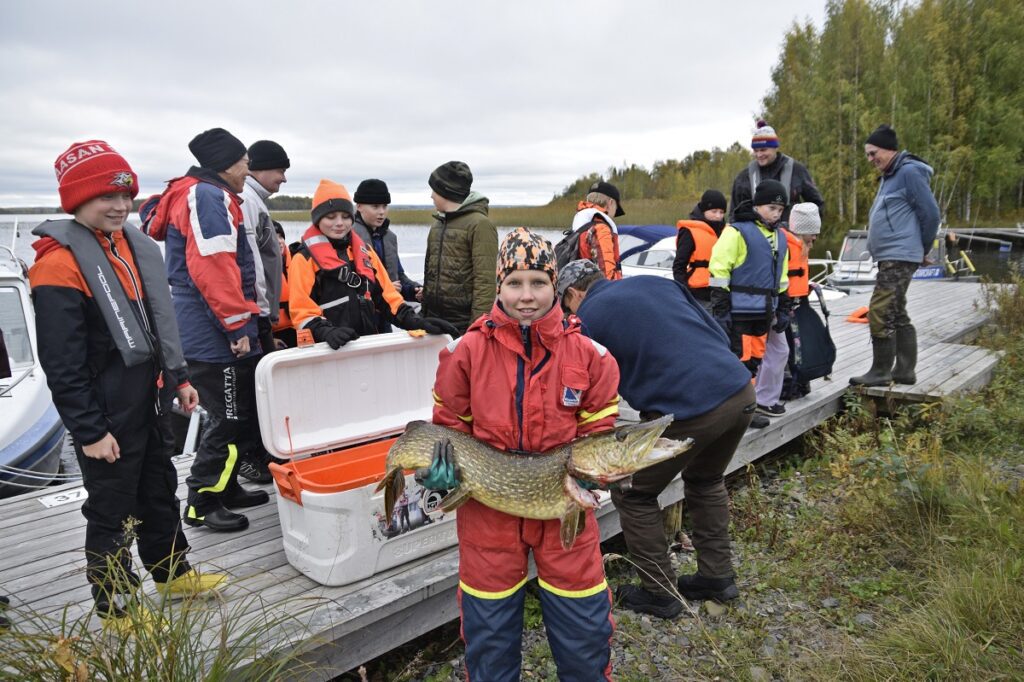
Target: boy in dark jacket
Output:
{"points": [[107, 341]]}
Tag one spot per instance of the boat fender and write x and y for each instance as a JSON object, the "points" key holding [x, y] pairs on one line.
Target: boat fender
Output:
{"points": [[860, 315]]}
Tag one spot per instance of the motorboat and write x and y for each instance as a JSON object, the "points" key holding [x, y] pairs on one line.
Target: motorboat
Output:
{"points": [[31, 432], [855, 270]]}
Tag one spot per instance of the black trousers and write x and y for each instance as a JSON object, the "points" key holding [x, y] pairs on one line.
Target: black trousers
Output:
{"points": [[716, 435], [141, 485], [228, 393]]}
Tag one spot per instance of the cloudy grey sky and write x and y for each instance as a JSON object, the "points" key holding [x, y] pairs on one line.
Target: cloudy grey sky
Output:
{"points": [[531, 94]]}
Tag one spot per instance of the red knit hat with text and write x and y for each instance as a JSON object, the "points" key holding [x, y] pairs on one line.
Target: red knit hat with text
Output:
{"points": [[90, 169]]}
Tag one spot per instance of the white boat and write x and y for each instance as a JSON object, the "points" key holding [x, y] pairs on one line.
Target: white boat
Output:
{"points": [[31, 433], [855, 271]]}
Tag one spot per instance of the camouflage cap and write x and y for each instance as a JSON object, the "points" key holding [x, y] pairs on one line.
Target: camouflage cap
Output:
{"points": [[573, 272], [525, 250]]}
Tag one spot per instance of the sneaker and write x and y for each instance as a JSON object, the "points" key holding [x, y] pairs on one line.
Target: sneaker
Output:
{"points": [[696, 587], [5, 601], [193, 584], [640, 600], [759, 422], [776, 410], [255, 472], [218, 518]]}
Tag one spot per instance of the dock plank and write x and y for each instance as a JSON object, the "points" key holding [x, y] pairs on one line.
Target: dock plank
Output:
{"points": [[337, 628]]}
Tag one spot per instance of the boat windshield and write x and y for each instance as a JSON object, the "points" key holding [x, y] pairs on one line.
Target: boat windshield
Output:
{"points": [[15, 327], [855, 248]]}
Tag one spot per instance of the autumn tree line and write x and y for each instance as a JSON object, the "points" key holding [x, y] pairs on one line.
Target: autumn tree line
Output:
{"points": [[946, 74]]}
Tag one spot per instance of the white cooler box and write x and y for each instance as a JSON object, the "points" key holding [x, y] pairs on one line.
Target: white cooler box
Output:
{"points": [[349, 404]]}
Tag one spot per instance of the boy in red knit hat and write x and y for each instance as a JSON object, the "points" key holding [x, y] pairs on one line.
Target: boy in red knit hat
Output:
{"points": [[107, 340]]}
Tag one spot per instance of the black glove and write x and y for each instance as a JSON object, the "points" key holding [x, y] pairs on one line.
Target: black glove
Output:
{"points": [[435, 325], [783, 314], [336, 337], [406, 318], [721, 307]]}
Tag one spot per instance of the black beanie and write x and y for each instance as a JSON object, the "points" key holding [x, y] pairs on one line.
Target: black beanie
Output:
{"points": [[712, 199], [372, 191], [884, 137], [452, 180], [770, 192], [268, 155], [216, 149]]}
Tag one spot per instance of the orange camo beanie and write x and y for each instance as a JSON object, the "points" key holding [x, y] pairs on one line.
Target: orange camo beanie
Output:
{"points": [[525, 250], [90, 169], [330, 197]]}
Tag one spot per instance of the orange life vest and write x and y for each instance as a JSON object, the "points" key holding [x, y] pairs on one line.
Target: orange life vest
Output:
{"points": [[798, 279], [704, 239]]}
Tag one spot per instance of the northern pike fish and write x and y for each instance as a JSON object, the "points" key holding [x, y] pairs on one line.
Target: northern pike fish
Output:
{"points": [[534, 486]]}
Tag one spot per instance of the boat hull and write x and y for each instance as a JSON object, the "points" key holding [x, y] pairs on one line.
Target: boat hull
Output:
{"points": [[32, 460]]}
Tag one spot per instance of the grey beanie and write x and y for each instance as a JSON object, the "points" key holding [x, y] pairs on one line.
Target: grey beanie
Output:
{"points": [[804, 219]]}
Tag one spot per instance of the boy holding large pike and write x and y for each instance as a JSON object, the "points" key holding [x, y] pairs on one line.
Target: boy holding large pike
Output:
{"points": [[523, 381]]}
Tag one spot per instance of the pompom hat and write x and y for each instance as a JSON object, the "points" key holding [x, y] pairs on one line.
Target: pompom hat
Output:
{"points": [[764, 137], [90, 169]]}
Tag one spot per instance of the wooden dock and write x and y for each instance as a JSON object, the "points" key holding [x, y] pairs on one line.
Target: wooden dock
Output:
{"points": [[42, 564]]}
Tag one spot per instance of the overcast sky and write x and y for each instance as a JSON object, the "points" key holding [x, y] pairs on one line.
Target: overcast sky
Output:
{"points": [[530, 94]]}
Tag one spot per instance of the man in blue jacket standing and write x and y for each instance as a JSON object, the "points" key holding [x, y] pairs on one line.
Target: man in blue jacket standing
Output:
{"points": [[673, 359], [902, 225]]}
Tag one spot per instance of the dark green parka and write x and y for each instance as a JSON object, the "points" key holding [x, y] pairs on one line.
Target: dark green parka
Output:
{"points": [[461, 261]]}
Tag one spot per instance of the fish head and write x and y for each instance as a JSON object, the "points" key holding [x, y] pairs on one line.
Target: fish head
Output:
{"points": [[613, 455]]}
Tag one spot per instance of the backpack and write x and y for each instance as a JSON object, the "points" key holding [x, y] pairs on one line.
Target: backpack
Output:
{"points": [[568, 249], [812, 352]]}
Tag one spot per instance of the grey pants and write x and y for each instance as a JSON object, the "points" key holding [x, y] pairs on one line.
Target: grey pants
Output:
{"points": [[716, 435]]}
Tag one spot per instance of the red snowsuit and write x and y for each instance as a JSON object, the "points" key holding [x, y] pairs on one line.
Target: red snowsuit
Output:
{"points": [[531, 389]]}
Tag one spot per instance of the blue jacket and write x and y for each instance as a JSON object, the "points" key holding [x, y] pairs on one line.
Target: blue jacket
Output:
{"points": [[904, 217], [673, 357]]}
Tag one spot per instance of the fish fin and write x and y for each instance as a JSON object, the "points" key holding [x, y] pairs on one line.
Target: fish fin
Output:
{"points": [[573, 522], [394, 486], [455, 498], [584, 498]]}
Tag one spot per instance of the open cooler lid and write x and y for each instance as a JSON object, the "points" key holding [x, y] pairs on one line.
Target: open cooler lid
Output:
{"points": [[317, 399]]}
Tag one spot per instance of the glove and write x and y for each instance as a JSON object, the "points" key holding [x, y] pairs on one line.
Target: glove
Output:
{"points": [[783, 315], [336, 337], [721, 307], [435, 325], [407, 319], [588, 485], [442, 474]]}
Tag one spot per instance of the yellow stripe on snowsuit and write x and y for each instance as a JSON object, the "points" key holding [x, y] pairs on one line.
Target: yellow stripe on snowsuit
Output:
{"points": [[229, 466], [574, 594], [585, 417], [440, 403], [483, 594]]}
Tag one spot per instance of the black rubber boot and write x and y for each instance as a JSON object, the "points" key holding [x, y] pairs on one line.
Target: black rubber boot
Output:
{"points": [[237, 497], [697, 587], [218, 519], [906, 356], [880, 374]]}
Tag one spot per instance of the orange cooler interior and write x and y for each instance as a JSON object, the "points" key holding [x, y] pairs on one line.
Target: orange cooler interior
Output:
{"points": [[334, 472]]}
